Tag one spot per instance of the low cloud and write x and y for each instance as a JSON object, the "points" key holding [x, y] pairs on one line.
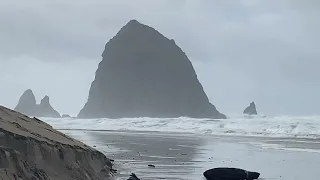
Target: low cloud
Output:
{"points": [[243, 50]]}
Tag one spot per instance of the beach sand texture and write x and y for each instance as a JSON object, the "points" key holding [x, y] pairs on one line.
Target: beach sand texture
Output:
{"points": [[187, 156]]}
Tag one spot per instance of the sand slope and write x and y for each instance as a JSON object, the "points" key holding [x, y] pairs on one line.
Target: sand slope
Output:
{"points": [[32, 149]]}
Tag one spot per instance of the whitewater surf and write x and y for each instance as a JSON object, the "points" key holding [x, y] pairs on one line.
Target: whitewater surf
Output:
{"points": [[277, 126]]}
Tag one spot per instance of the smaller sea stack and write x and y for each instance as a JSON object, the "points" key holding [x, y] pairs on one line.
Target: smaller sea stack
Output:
{"points": [[27, 105], [251, 109]]}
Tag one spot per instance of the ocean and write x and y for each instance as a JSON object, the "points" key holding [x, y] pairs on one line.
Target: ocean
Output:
{"points": [[280, 147]]}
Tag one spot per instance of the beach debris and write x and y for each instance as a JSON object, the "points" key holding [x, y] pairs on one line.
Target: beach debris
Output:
{"points": [[151, 166], [230, 174], [114, 171], [133, 177]]}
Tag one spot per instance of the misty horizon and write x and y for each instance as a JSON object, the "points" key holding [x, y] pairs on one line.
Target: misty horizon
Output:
{"points": [[242, 51]]}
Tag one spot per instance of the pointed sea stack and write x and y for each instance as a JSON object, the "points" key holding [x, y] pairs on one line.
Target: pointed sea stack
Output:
{"points": [[27, 103], [46, 110], [28, 106], [144, 74], [251, 109]]}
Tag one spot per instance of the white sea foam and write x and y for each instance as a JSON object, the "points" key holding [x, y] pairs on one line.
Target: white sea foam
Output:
{"points": [[280, 126]]}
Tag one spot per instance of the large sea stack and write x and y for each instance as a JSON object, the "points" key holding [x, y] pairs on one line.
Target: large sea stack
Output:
{"points": [[28, 106], [144, 74], [32, 150]]}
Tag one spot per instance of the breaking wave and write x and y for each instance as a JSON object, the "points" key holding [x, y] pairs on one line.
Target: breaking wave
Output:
{"points": [[280, 126]]}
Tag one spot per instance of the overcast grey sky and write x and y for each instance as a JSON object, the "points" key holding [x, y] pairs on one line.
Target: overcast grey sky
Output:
{"points": [[242, 50]]}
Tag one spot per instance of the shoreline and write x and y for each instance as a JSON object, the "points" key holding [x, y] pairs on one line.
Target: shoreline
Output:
{"points": [[187, 156], [289, 142], [197, 134]]}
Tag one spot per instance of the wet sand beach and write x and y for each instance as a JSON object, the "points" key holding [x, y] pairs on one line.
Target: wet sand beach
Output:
{"points": [[186, 156]]}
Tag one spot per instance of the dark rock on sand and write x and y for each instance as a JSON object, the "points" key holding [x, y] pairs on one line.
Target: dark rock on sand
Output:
{"points": [[66, 116], [32, 150], [230, 174], [151, 166], [28, 106], [251, 109], [145, 74], [133, 177]]}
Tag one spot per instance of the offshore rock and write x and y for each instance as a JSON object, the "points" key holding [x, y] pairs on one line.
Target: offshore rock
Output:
{"points": [[251, 109], [46, 110], [145, 74], [65, 116], [27, 105]]}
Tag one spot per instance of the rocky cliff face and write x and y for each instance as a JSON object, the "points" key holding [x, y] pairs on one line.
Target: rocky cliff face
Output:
{"points": [[144, 74], [27, 105], [251, 109], [32, 150]]}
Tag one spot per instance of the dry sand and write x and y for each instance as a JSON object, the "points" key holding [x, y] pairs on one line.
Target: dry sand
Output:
{"points": [[32, 150]]}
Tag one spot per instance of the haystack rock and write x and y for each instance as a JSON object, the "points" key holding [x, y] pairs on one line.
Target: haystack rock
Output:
{"points": [[251, 109], [144, 74], [32, 150], [28, 106]]}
